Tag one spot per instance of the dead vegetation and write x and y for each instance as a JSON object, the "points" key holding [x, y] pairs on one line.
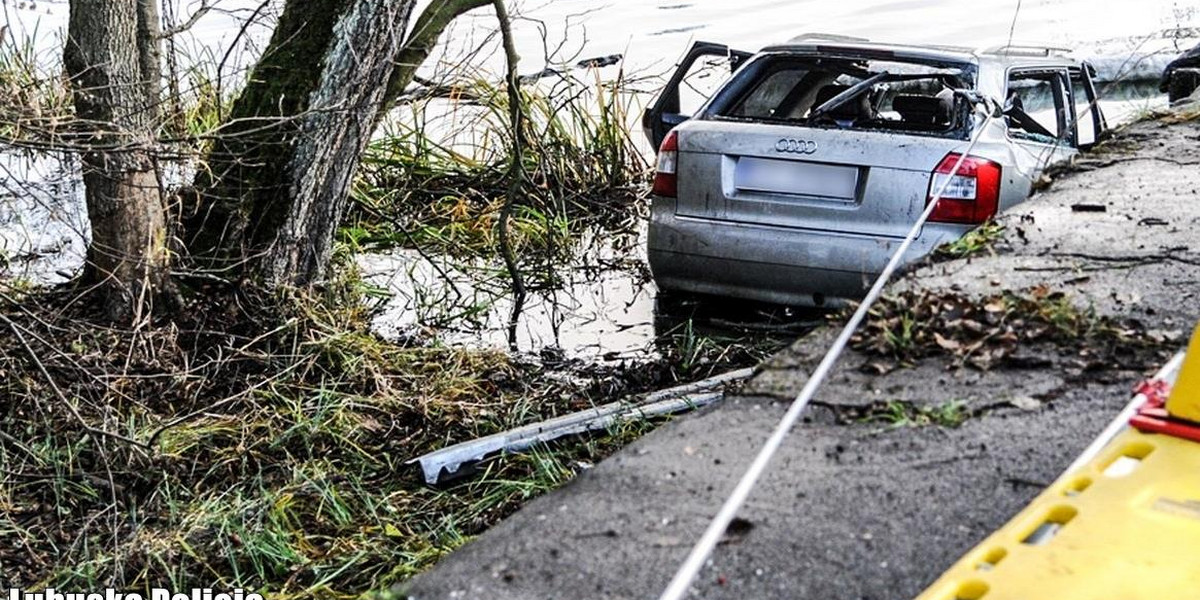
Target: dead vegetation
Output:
{"points": [[442, 185], [1008, 329], [978, 240], [258, 441]]}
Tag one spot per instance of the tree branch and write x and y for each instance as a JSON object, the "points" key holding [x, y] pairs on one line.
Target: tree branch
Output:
{"points": [[516, 172], [428, 28], [205, 7]]}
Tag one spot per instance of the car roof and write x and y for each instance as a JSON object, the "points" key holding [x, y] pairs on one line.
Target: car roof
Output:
{"points": [[1007, 55]]}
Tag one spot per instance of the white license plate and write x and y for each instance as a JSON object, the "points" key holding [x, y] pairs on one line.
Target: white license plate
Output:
{"points": [[795, 178]]}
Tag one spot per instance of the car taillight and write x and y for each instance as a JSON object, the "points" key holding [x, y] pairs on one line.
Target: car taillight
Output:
{"points": [[664, 172], [973, 193]]}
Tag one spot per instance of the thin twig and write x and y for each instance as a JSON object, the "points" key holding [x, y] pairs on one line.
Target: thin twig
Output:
{"points": [[59, 393], [205, 6], [516, 171]]}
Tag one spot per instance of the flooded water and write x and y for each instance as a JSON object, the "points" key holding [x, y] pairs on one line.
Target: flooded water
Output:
{"points": [[603, 307], [43, 221], [606, 306], [1121, 38]]}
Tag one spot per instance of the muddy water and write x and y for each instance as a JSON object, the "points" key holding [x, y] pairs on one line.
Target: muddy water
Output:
{"points": [[43, 222], [606, 307]]}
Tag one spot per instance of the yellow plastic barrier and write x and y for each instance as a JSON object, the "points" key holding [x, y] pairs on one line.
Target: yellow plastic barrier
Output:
{"points": [[1184, 401], [1125, 526]]}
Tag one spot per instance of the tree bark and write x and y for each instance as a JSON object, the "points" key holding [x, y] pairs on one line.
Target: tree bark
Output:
{"points": [[334, 134], [243, 192], [149, 47], [114, 86], [279, 176]]}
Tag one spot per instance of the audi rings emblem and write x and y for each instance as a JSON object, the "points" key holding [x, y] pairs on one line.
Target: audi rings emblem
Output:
{"points": [[795, 146]]}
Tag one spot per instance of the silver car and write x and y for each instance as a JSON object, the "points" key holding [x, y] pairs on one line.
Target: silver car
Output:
{"points": [[795, 181]]}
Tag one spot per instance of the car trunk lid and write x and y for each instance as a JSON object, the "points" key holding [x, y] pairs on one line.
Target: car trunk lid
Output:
{"points": [[849, 181]]}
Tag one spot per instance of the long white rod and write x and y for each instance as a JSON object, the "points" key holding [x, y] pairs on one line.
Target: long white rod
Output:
{"points": [[691, 566], [1167, 373]]}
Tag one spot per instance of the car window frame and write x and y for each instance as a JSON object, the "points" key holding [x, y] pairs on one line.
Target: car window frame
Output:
{"points": [[744, 82], [663, 114], [1062, 98], [1099, 125]]}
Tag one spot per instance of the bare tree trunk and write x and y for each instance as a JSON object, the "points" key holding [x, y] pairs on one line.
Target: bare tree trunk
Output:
{"points": [[243, 193], [333, 135], [149, 48], [279, 178], [115, 78]]}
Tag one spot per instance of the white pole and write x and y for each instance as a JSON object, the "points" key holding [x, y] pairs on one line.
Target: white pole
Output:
{"points": [[691, 566]]}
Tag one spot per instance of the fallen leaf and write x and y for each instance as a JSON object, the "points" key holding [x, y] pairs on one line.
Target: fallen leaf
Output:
{"points": [[878, 367], [947, 344]]}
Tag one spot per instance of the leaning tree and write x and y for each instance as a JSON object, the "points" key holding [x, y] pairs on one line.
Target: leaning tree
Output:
{"points": [[276, 181]]}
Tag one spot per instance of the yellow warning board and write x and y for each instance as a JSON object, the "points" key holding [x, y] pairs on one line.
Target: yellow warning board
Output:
{"points": [[1125, 526]]}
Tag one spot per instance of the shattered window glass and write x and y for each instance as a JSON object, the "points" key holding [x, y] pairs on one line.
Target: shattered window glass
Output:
{"points": [[848, 92], [1032, 107]]}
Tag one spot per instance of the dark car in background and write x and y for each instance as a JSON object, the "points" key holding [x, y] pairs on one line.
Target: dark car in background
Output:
{"points": [[1182, 76]]}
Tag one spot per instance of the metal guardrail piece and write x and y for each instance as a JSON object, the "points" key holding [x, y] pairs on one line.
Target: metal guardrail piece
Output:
{"points": [[447, 462]]}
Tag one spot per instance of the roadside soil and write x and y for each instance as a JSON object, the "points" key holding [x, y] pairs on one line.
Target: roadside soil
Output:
{"points": [[973, 386]]}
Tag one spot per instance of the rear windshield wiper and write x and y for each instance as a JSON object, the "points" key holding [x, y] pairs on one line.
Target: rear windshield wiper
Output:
{"points": [[848, 95]]}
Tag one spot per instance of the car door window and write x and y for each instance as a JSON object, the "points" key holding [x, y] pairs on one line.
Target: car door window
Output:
{"points": [[702, 80], [702, 71], [1035, 106], [771, 95], [1085, 127]]}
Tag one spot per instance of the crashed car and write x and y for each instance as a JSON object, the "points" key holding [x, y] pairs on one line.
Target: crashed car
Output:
{"points": [[1182, 76], [795, 181]]}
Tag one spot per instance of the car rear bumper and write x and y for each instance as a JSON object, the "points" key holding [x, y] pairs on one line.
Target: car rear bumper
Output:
{"points": [[773, 264]]}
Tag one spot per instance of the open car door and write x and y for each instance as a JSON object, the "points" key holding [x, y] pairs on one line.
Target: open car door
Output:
{"points": [[1090, 125], [701, 72]]}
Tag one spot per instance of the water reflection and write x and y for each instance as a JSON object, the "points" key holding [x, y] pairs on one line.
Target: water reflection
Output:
{"points": [[601, 302], [43, 223], [604, 306]]}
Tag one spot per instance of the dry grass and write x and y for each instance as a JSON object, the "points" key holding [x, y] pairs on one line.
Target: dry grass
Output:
{"points": [[257, 442]]}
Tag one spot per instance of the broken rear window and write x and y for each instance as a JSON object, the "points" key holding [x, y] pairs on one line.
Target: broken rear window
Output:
{"points": [[865, 94]]}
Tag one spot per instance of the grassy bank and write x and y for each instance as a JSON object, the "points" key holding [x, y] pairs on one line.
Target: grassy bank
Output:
{"points": [[271, 458], [259, 440]]}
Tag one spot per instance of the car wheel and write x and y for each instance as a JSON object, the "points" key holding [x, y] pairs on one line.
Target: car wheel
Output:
{"points": [[1183, 83]]}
